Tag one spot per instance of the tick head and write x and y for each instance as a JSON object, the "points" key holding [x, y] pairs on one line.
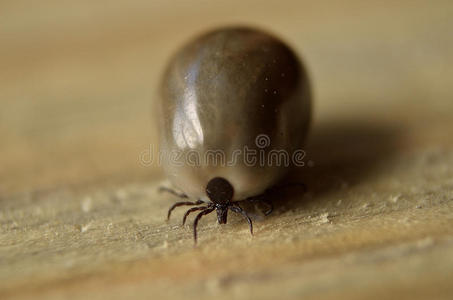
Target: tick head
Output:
{"points": [[219, 191]]}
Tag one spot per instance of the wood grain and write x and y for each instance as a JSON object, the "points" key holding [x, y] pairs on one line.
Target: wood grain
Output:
{"points": [[79, 210]]}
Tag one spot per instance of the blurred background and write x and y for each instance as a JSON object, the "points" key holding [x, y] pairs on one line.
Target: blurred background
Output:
{"points": [[78, 78]]}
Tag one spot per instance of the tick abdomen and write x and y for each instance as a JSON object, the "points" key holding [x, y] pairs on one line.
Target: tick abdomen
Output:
{"points": [[219, 93]]}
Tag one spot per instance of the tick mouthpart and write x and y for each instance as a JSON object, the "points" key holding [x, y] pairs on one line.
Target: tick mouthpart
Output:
{"points": [[222, 214]]}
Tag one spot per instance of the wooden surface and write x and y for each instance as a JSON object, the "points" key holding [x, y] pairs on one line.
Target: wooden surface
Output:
{"points": [[79, 212]]}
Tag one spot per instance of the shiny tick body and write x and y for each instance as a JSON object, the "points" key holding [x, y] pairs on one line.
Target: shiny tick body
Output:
{"points": [[219, 93]]}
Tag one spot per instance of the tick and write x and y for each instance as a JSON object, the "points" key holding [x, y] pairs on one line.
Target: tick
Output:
{"points": [[229, 100]]}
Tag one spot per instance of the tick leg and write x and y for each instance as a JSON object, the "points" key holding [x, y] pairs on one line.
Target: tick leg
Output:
{"points": [[197, 218], [270, 207], [173, 192], [280, 187], [261, 198], [181, 204], [192, 210], [239, 210]]}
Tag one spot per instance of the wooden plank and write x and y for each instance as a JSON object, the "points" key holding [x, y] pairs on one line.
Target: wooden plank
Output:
{"points": [[79, 210]]}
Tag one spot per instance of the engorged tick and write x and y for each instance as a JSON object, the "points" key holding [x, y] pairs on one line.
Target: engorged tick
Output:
{"points": [[219, 94]]}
